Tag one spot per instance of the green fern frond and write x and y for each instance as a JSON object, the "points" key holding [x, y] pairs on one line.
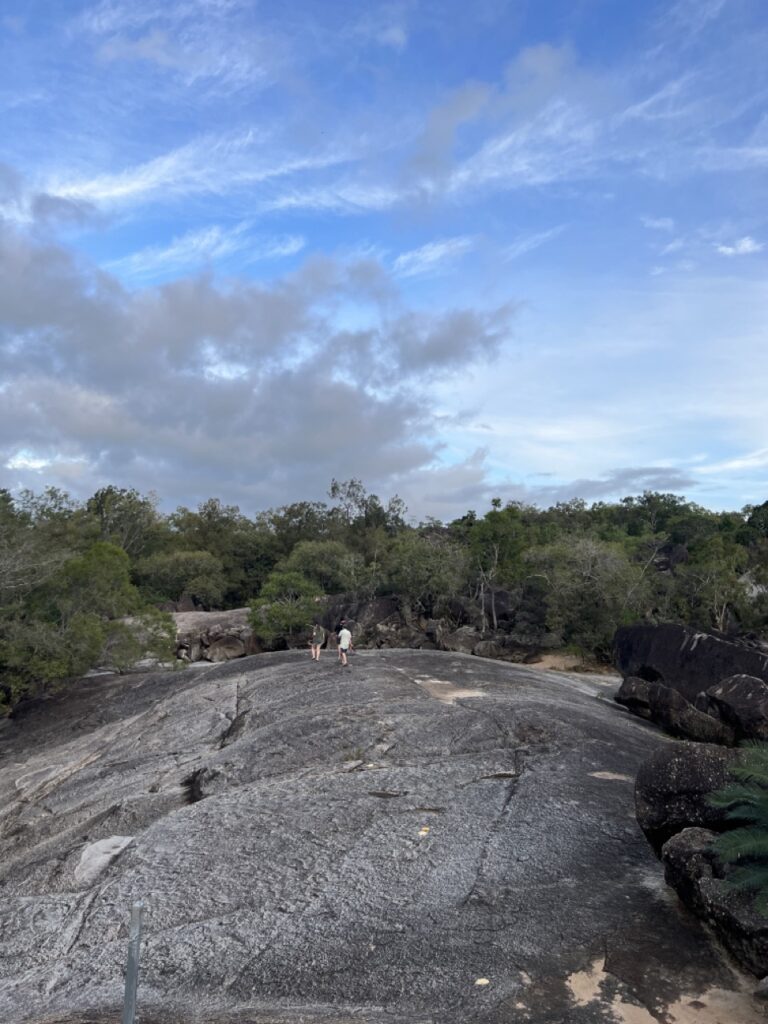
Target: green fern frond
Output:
{"points": [[736, 794], [756, 815], [752, 764], [746, 800], [743, 842], [750, 878], [749, 772]]}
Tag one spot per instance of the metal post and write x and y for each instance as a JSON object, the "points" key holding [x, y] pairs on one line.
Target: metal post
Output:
{"points": [[132, 969]]}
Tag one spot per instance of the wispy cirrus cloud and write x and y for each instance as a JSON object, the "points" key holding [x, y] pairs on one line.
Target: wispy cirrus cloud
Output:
{"points": [[528, 243], [752, 460], [559, 143], [427, 259], [196, 39], [207, 164], [690, 17], [666, 103], [206, 246]]}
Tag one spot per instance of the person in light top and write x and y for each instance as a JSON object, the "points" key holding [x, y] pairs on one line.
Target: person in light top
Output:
{"points": [[345, 642]]}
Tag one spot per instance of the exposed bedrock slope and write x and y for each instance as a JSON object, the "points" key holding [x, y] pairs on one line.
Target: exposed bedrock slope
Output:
{"points": [[424, 837]]}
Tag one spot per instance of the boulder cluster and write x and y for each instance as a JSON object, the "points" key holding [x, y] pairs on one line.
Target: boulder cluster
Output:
{"points": [[379, 624], [712, 693]]}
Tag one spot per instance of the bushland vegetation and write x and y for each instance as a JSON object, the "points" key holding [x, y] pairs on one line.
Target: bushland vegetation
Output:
{"points": [[81, 582]]}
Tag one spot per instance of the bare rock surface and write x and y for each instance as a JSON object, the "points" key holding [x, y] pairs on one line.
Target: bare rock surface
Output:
{"points": [[425, 837]]}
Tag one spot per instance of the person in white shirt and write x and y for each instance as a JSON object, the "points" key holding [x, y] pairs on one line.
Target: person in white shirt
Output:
{"points": [[345, 642]]}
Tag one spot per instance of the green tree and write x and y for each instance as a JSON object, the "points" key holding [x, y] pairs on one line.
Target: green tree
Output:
{"points": [[247, 550], [289, 524], [589, 588], [712, 583], [495, 544], [65, 625], [169, 576], [286, 605], [26, 558], [425, 568], [328, 563], [124, 518], [97, 582]]}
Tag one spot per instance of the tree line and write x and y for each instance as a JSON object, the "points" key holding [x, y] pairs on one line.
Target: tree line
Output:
{"points": [[81, 583]]}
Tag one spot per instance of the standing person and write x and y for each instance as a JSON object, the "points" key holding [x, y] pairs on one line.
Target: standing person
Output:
{"points": [[317, 641], [345, 641]]}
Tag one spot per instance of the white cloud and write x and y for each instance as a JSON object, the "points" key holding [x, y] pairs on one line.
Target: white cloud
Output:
{"points": [[529, 242], [205, 165], [206, 245], [662, 105], [197, 39], [27, 460], [742, 247], [429, 257], [559, 143], [752, 460], [658, 223]]}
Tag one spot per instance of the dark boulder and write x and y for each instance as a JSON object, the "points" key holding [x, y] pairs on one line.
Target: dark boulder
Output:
{"points": [[693, 869], [681, 658], [462, 639], [672, 788], [742, 703], [669, 709]]}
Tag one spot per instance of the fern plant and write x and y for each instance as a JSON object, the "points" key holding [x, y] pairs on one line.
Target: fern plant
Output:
{"points": [[746, 800]]}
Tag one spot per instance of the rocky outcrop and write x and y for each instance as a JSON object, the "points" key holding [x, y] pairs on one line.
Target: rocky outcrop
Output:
{"points": [[741, 702], [421, 837], [673, 786], [378, 623], [683, 659], [693, 869], [690, 684], [672, 712], [674, 810], [214, 636]]}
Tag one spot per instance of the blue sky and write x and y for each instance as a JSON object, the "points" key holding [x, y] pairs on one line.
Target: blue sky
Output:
{"points": [[458, 251]]}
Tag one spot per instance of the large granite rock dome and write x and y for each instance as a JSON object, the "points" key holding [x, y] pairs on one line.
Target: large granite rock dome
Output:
{"points": [[424, 837]]}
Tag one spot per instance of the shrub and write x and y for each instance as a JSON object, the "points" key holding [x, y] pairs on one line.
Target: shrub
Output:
{"points": [[746, 801]]}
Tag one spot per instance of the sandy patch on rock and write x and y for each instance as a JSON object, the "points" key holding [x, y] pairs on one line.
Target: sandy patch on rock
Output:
{"points": [[445, 691], [571, 663], [714, 1006]]}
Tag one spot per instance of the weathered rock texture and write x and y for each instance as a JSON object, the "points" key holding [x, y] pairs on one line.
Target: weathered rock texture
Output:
{"points": [[214, 636], [673, 786], [673, 808], [741, 703], [683, 659], [668, 708], [692, 867], [424, 838]]}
